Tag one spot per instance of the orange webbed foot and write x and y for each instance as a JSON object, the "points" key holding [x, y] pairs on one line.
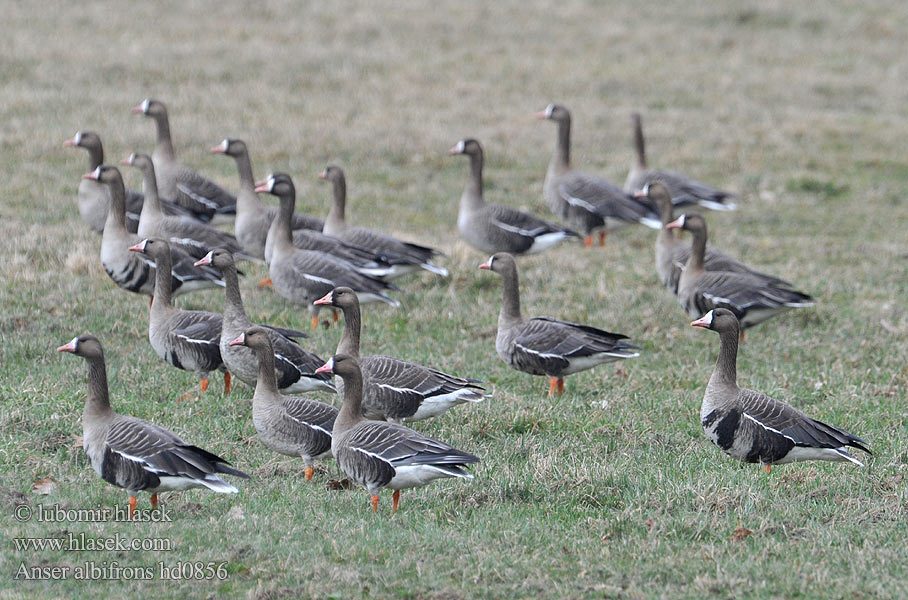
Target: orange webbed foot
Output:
{"points": [[265, 282], [309, 472], [588, 241], [203, 383]]}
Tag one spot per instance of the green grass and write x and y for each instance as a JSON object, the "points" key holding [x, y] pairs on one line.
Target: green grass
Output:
{"points": [[611, 491]]}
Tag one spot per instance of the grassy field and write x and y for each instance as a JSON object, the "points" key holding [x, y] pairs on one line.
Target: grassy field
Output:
{"points": [[610, 491]]}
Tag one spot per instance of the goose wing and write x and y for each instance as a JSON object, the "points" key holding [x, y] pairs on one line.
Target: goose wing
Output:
{"points": [[200, 194], [605, 199]]}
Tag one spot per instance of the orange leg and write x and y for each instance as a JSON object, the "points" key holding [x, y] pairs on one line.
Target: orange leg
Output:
{"points": [[768, 468], [742, 336], [204, 384], [314, 323], [588, 241], [601, 238], [265, 282], [132, 506], [334, 316], [560, 386], [227, 383], [309, 472], [150, 301], [154, 501], [396, 498], [375, 503], [553, 385]]}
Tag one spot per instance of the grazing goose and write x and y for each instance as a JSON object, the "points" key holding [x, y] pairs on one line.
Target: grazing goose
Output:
{"points": [[253, 218], [377, 454], [177, 181], [683, 190], [133, 272], [496, 228], [186, 339], [286, 424], [303, 276], [672, 255], [134, 454], [393, 389], [403, 256], [547, 346], [750, 297], [587, 202], [194, 237], [753, 427], [294, 366]]}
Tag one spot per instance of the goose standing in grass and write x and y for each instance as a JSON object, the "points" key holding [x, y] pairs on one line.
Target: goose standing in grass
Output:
{"points": [[495, 228], [134, 454], [588, 203], [185, 339], [286, 424], [379, 455], [253, 218], [547, 346], [403, 257], [750, 297], [177, 181], [753, 427], [133, 272], [672, 255], [303, 276], [194, 237], [683, 190], [295, 367], [393, 389], [94, 197]]}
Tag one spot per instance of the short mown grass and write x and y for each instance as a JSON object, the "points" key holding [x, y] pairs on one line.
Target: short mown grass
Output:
{"points": [[610, 491]]}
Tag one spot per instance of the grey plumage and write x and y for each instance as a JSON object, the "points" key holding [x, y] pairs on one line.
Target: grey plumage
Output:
{"points": [[753, 427], [683, 190]]}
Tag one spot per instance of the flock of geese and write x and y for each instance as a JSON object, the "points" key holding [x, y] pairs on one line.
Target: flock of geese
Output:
{"points": [[161, 243]]}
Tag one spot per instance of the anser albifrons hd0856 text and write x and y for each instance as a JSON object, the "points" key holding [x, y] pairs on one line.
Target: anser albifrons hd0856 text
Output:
{"points": [[185, 339], [683, 190], [177, 181], [404, 257], [295, 367], [494, 228], [753, 427], [547, 346], [134, 454], [288, 425], [379, 455], [588, 203], [393, 389], [304, 276]]}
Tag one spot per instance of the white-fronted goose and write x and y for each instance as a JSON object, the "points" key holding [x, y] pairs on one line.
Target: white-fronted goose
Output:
{"points": [[194, 237], [684, 191], [748, 296], [547, 346], [587, 202], [672, 255], [177, 181], [393, 389], [303, 276], [295, 367], [753, 427], [253, 218], [286, 424], [133, 272], [186, 339], [134, 454], [404, 257], [378, 454], [496, 228]]}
